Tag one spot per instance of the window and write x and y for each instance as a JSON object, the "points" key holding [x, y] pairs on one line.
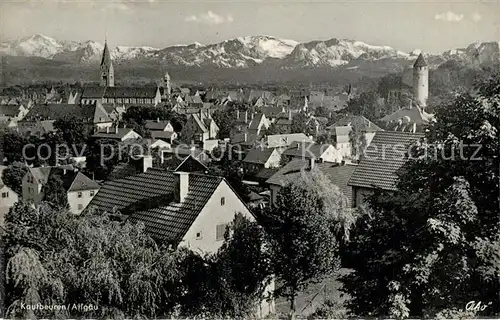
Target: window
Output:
{"points": [[79, 194], [91, 193], [5, 194], [221, 229], [222, 201], [198, 235], [80, 206]]}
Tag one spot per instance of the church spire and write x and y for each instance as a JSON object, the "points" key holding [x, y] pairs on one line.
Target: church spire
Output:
{"points": [[107, 72]]}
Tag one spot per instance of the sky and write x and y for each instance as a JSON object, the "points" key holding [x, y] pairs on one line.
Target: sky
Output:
{"points": [[431, 26]]}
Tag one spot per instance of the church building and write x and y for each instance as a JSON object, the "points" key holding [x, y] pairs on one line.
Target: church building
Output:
{"points": [[108, 93]]}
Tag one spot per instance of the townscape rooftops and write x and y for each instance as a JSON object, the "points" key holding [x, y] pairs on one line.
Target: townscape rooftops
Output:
{"points": [[359, 123], [112, 134], [168, 221], [258, 156], [338, 174], [383, 159], [409, 115], [156, 125], [119, 92], [306, 149]]}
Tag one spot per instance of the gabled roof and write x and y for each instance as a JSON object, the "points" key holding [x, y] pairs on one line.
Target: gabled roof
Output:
{"points": [[337, 173], [254, 123], [112, 134], [81, 182], [280, 140], [359, 123], [409, 115], [199, 122], [9, 110], [383, 158], [306, 149], [162, 134], [156, 125], [258, 156], [93, 92], [420, 62], [164, 220], [94, 113]]}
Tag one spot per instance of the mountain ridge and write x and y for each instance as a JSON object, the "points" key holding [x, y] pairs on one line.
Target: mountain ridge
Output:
{"points": [[243, 52]]}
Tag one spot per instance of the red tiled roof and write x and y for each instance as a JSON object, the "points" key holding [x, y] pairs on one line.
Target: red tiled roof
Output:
{"points": [[383, 158]]}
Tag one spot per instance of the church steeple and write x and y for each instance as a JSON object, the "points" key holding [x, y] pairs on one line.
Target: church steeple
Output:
{"points": [[107, 71]]}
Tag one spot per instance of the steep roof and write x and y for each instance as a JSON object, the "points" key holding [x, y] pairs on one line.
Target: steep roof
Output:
{"points": [[280, 140], [254, 123], [164, 220], [259, 156], [112, 134], [409, 115], [9, 110], [357, 122], [383, 159], [338, 174], [82, 182], [94, 113], [106, 55], [156, 125], [306, 149], [420, 62], [162, 134], [119, 92]]}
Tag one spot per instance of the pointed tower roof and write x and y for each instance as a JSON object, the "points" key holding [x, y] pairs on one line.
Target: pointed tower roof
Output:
{"points": [[420, 62], [106, 55]]}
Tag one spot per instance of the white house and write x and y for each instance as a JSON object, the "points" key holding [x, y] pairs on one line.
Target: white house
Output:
{"points": [[185, 209], [259, 158], [80, 189], [120, 134], [311, 150], [7, 198]]}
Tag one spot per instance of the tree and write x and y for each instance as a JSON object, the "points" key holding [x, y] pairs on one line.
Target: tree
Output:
{"points": [[429, 247], [368, 104], [57, 258], [12, 176], [73, 129], [304, 231], [232, 282], [12, 144], [358, 142], [299, 123], [225, 120], [274, 129], [54, 192]]}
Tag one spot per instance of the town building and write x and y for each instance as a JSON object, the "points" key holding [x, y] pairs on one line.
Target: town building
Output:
{"points": [[118, 134], [79, 188], [379, 168], [310, 150], [7, 198], [338, 173], [259, 158]]}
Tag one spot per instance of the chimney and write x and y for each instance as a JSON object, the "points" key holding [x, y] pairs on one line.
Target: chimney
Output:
{"points": [[246, 116], [251, 116], [237, 114], [116, 129], [311, 163], [290, 114], [158, 119], [182, 179], [246, 137], [107, 129], [147, 162]]}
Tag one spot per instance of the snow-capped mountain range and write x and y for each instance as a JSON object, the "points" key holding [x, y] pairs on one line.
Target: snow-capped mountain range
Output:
{"points": [[242, 52]]}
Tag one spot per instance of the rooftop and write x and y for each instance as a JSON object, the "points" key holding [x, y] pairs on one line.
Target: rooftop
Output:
{"points": [[383, 159]]}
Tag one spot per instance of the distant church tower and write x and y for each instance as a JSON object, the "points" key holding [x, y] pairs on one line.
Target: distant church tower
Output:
{"points": [[421, 81], [107, 71], [167, 85]]}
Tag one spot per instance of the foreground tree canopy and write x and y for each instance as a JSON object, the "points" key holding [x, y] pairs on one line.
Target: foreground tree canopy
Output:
{"points": [[56, 258], [433, 246]]}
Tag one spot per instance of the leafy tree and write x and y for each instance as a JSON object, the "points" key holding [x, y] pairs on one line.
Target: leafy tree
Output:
{"points": [[304, 231], [299, 123], [368, 104], [274, 129], [74, 131], [321, 112], [432, 246], [12, 176], [232, 282], [54, 192], [12, 144], [358, 143], [225, 120]]}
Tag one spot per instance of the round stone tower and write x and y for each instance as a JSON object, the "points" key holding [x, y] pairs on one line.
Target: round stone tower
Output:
{"points": [[421, 81]]}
